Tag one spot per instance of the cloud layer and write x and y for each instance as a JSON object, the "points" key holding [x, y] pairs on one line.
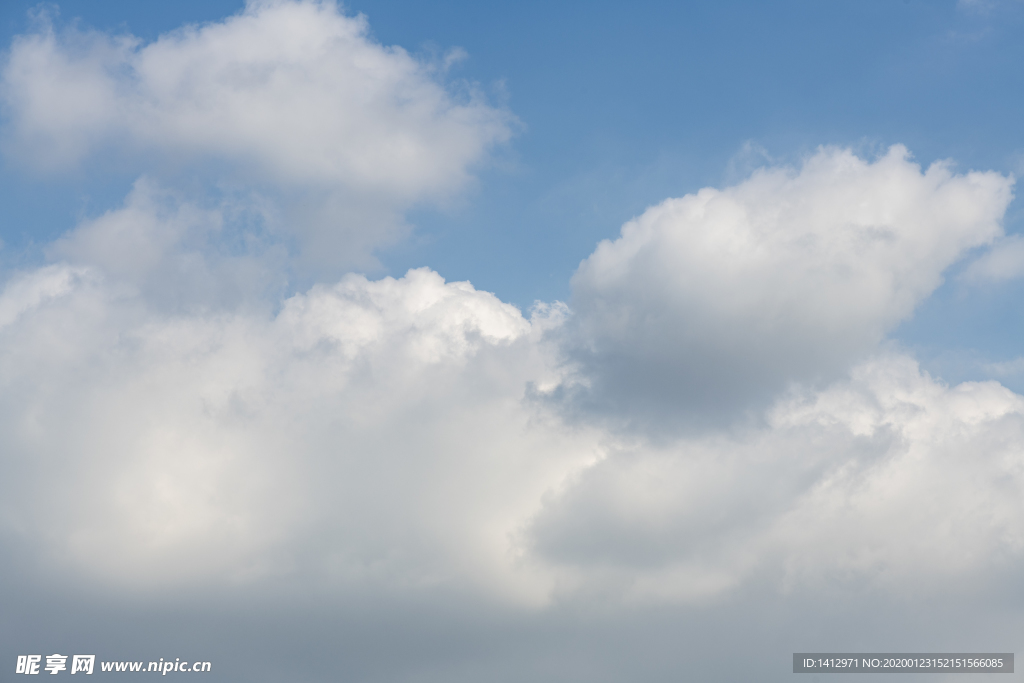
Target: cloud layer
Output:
{"points": [[716, 425], [412, 432]]}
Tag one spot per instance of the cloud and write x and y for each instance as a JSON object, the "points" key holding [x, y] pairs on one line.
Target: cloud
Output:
{"points": [[178, 254], [1005, 368], [1004, 261], [380, 436], [715, 301], [368, 432], [390, 451], [158, 396], [294, 98], [408, 461], [885, 481]]}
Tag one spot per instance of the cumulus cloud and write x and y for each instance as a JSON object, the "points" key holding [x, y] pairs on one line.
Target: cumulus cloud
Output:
{"points": [[176, 420], [381, 435], [368, 432], [715, 301], [390, 449], [294, 97], [888, 480], [402, 433]]}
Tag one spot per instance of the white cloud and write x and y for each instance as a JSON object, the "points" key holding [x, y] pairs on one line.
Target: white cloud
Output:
{"points": [[296, 89], [173, 419], [380, 434], [28, 291], [294, 97], [1004, 261], [400, 433], [171, 429], [370, 432], [167, 420], [715, 301], [375, 433], [178, 254], [887, 481]]}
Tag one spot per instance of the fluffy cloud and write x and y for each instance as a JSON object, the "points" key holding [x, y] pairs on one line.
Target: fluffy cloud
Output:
{"points": [[715, 301], [402, 433], [170, 428], [380, 434], [368, 432], [296, 91], [886, 481], [294, 97], [175, 421]]}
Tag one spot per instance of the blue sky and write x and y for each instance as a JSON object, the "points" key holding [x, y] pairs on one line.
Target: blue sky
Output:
{"points": [[573, 341]]}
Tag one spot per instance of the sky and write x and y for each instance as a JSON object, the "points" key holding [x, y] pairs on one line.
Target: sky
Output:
{"points": [[395, 341]]}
